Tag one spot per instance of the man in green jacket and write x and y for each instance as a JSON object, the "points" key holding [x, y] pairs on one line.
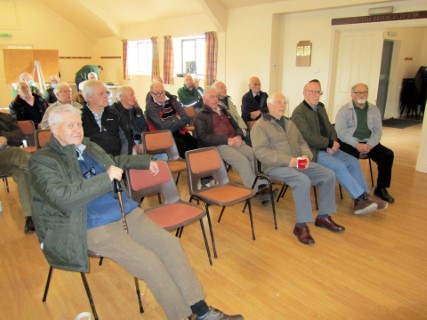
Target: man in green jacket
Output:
{"points": [[75, 210], [190, 94]]}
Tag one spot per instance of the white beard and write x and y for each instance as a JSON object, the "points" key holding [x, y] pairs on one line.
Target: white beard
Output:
{"points": [[361, 100]]}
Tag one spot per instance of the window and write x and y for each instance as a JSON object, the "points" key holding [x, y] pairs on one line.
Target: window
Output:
{"points": [[140, 55], [189, 53]]}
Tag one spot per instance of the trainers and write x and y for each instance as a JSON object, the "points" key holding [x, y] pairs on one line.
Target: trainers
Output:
{"points": [[29, 225], [381, 204], [215, 314], [263, 195], [362, 206]]}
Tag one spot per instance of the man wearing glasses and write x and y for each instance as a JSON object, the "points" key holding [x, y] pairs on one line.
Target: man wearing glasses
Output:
{"points": [[359, 128], [166, 113], [312, 121]]}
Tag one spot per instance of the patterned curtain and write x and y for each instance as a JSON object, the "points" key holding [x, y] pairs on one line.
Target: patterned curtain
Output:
{"points": [[155, 68], [168, 61], [125, 60], [211, 57]]}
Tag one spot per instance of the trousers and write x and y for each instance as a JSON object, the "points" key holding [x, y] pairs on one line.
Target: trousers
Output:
{"points": [[301, 182], [152, 254], [242, 160], [14, 162], [382, 156], [347, 171]]}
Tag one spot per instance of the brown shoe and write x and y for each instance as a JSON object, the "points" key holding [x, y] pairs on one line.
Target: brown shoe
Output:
{"points": [[362, 206], [303, 234], [381, 204], [329, 224]]}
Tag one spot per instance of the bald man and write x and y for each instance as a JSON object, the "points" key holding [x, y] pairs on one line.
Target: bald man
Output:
{"points": [[254, 102], [190, 94]]}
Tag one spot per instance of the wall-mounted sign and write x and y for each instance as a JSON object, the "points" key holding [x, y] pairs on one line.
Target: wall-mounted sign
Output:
{"points": [[303, 58]]}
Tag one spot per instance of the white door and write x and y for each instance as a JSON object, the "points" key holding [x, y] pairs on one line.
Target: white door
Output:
{"points": [[358, 59]]}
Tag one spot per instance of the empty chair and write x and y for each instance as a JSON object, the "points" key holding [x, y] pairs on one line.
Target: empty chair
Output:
{"points": [[162, 141], [207, 162], [173, 214]]}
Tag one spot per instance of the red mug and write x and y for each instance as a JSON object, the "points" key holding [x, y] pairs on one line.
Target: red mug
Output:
{"points": [[301, 163]]}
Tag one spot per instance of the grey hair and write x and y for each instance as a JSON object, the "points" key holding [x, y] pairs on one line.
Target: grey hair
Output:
{"points": [[23, 75], [57, 113], [122, 90], [60, 86], [87, 90], [272, 98], [209, 88]]}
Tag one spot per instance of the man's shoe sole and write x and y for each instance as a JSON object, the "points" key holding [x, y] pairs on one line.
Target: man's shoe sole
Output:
{"points": [[370, 208]]}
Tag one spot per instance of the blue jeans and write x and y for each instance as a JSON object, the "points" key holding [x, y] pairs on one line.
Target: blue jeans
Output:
{"points": [[347, 171]]}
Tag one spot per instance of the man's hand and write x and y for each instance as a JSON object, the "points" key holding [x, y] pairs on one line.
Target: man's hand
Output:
{"points": [[363, 148], [115, 173], [196, 83], [293, 162], [235, 142], [3, 141], [255, 114], [154, 167]]}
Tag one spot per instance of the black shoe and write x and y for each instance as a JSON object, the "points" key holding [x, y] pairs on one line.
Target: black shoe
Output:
{"points": [[29, 225], [383, 194]]}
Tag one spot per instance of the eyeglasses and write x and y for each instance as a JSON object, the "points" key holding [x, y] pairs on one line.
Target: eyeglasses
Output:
{"points": [[158, 94], [315, 92], [66, 91], [89, 173], [360, 92]]}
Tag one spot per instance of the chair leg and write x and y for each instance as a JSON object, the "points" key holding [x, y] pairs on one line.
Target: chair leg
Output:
{"points": [[46, 288], [315, 197], [211, 230], [208, 251], [251, 218], [177, 177], [220, 215], [370, 169], [339, 186], [101, 259], [6, 184], [138, 295], [282, 192], [89, 296], [273, 205]]}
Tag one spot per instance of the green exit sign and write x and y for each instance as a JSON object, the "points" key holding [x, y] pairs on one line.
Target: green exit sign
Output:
{"points": [[5, 35]]}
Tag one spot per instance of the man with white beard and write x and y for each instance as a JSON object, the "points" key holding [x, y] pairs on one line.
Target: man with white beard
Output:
{"points": [[359, 128]]}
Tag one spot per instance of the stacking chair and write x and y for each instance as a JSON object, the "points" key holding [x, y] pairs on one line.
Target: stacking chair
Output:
{"points": [[5, 181], [173, 214], [87, 289], [42, 137], [207, 162], [28, 129], [162, 141]]}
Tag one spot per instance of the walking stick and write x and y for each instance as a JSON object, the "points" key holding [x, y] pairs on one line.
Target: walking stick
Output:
{"points": [[118, 190]]}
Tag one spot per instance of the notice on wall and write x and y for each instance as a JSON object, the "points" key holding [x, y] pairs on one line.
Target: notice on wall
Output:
{"points": [[303, 54]]}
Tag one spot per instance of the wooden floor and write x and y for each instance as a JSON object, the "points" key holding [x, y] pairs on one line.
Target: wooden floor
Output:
{"points": [[377, 269]]}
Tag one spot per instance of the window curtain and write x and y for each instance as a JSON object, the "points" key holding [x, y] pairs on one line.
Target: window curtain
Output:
{"points": [[168, 61], [125, 60], [211, 57], [155, 68]]}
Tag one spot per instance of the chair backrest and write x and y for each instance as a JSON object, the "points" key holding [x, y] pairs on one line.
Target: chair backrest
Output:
{"points": [[205, 162], [28, 129], [141, 183], [160, 141], [42, 137], [191, 113]]}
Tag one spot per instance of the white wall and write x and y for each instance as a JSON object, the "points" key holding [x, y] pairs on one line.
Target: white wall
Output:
{"points": [[40, 27]]}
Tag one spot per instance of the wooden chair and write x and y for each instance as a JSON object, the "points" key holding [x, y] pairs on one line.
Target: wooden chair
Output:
{"points": [[28, 129], [162, 141], [42, 137], [207, 162], [173, 214]]}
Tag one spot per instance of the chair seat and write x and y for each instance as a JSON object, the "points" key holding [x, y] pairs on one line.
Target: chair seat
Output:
{"points": [[225, 195], [174, 215], [177, 165]]}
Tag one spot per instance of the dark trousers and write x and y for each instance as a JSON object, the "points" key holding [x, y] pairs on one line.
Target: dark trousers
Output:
{"points": [[382, 156], [184, 142]]}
